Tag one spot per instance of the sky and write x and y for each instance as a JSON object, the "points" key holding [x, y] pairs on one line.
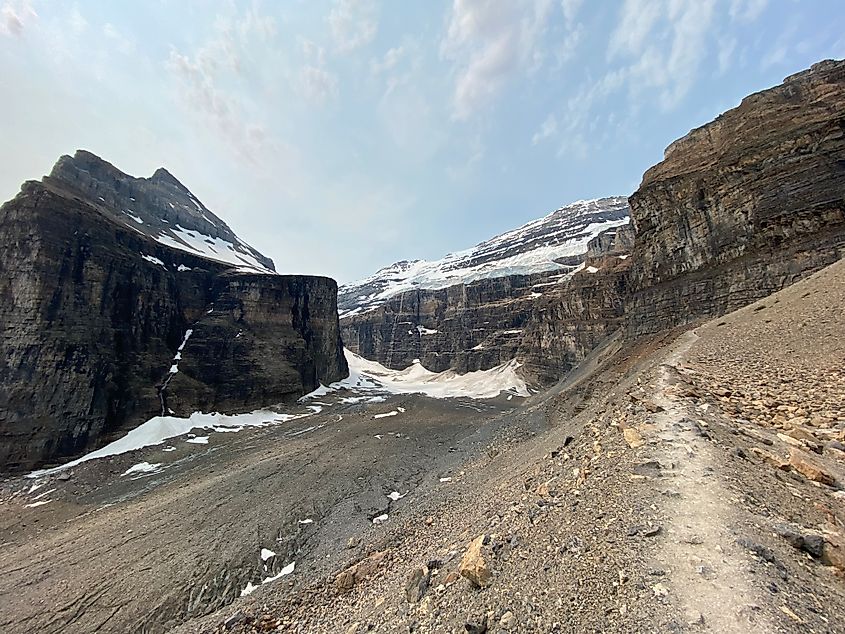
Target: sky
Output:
{"points": [[339, 136]]}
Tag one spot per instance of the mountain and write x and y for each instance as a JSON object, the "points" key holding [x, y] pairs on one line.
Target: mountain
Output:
{"points": [[743, 206], [159, 207], [126, 298], [478, 309], [556, 242]]}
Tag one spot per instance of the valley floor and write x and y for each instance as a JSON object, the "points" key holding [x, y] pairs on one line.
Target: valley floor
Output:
{"points": [[691, 483]]}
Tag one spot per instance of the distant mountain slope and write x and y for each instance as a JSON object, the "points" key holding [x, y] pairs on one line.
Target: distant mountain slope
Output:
{"points": [[555, 242], [159, 207]]}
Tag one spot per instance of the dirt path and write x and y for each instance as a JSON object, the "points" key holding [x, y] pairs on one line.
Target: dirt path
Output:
{"points": [[707, 569]]}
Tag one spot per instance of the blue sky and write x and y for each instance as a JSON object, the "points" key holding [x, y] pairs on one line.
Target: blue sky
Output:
{"points": [[338, 136]]}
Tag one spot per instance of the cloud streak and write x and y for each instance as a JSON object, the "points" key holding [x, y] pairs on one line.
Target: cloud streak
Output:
{"points": [[488, 41]]}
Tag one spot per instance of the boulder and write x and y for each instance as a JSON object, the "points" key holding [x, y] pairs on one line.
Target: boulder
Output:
{"points": [[417, 584], [801, 462], [474, 565]]}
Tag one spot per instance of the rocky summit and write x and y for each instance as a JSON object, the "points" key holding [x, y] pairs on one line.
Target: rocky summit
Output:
{"points": [[126, 298], [626, 416]]}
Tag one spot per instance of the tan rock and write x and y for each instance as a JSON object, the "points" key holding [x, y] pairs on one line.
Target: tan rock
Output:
{"points": [[632, 437], [807, 467], [546, 489], [833, 551], [771, 459], [474, 566], [451, 578], [356, 573], [802, 434], [789, 440]]}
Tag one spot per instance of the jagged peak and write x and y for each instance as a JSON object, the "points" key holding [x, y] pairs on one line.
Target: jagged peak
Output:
{"points": [[85, 161], [161, 175]]}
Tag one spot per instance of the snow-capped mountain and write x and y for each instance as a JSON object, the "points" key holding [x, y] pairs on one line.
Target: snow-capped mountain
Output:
{"points": [[160, 207], [554, 242]]}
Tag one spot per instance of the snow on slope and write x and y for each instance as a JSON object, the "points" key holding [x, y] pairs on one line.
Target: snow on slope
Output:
{"points": [[365, 377], [534, 247], [212, 248], [371, 376]]}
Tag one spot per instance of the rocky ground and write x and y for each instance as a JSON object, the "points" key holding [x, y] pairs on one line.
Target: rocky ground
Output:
{"points": [[648, 507], [690, 483]]}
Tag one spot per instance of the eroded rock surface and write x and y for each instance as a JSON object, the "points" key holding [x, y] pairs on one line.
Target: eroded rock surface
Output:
{"points": [[95, 315], [743, 206]]}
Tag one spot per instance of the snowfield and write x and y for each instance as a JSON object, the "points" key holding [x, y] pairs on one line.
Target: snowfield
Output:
{"points": [[532, 248], [371, 376], [367, 381]]}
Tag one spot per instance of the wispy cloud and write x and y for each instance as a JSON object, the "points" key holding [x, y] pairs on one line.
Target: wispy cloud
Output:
{"points": [[662, 45], [354, 23], [204, 77], [488, 40], [547, 129], [747, 10], [15, 15], [388, 62], [317, 84]]}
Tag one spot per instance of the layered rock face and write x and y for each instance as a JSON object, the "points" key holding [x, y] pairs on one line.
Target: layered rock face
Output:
{"points": [[743, 206], [548, 321], [95, 312], [573, 318]]}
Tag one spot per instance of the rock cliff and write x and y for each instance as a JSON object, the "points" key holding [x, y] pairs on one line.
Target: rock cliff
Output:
{"points": [[742, 206], [563, 267], [111, 317]]}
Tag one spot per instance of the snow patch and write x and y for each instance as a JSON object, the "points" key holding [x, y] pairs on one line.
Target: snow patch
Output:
{"points": [[266, 553], [160, 428], [198, 440], [386, 414], [365, 375], [216, 249], [153, 259], [142, 467]]}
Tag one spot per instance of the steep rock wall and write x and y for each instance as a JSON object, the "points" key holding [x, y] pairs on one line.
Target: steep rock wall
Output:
{"points": [[743, 206], [548, 322], [92, 313]]}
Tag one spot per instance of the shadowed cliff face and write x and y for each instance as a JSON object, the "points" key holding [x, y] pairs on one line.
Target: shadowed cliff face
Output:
{"points": [[93, 314], [743, 206]]}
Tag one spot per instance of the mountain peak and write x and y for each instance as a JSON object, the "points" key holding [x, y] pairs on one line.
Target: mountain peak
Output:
{"points": [[162, 176], [160, 207]]}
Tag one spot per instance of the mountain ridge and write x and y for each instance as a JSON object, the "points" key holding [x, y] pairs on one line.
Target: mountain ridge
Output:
{"points": [[554, 242]]}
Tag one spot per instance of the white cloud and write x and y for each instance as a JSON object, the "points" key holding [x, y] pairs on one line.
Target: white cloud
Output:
{"points": [[569, 44], [727, 48], [317, 84], [570, 10], [547, 129], [207, 78], [747, 10], [14, 15], [488, 41], [389, 62], [662, 44], [636, 21], [123, 43], [354, 23]]}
